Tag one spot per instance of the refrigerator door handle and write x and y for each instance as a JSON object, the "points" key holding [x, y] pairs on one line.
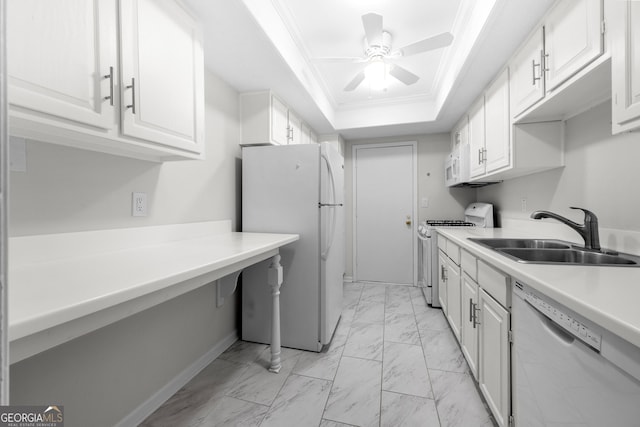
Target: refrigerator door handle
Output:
{"points": [[331, 228]]}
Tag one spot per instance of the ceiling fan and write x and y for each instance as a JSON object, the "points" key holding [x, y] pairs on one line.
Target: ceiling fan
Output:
{"points": [[377, 52]]}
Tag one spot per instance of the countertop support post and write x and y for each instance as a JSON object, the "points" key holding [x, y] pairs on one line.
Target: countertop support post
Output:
{"points": [[274, 279]]}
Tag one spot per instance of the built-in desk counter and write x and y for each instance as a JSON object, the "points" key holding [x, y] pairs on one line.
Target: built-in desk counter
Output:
{"points": [[62, 286]]}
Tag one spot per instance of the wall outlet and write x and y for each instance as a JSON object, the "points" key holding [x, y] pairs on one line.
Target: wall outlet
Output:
{"points": [[139, 204], [424, 203]]}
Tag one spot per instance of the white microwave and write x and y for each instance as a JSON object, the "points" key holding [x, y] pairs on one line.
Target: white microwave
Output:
{"points": [[457, 169], [452, 169]]}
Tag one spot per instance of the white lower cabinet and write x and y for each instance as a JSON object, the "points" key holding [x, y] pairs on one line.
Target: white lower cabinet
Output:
{"points": [[493, 358], [449, 283], [453, 297], [442, 281], [469, 331], [484, 298]]}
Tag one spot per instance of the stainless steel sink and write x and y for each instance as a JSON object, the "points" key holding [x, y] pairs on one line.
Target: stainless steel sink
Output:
{"points": [[550, 251], [567, 256], [523, 243]]}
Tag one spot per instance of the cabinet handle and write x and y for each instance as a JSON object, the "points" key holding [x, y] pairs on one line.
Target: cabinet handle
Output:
{"points": [[132, 86], [443, 273], [475, 315], [533, 70], [110, 77], [479, 156], [544, 60], [484, 155], [470, 310]]}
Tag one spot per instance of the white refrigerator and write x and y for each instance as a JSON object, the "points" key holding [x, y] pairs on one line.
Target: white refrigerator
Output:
{"points": [[295, 189]]}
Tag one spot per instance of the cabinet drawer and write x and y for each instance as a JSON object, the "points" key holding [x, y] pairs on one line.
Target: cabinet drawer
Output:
{"points": [[453, 251], [494, 282], [442, 243], [469, 264]]}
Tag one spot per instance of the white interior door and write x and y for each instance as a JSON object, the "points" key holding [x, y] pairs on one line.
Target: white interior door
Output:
{"points": [[384, 211]]}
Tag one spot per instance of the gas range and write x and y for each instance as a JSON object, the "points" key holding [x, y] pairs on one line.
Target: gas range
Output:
{"points": [[426, 227], [476, 215], [449, 223]]}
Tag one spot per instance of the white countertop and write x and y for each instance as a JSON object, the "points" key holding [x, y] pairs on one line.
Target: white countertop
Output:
{"points": [[49, 294], [608, 296]]}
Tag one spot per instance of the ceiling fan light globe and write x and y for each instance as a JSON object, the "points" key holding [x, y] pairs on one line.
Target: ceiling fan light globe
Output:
{"points": [[376, 74]]}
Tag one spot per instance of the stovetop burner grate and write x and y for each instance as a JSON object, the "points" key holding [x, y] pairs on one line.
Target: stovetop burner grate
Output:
{"points": [[449, 223]]}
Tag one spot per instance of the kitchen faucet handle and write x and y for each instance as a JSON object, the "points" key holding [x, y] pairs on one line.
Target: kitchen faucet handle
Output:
{"points": [[587, 213]]}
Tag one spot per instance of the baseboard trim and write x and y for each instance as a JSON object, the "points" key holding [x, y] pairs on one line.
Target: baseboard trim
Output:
{"points": [[158, 398]]}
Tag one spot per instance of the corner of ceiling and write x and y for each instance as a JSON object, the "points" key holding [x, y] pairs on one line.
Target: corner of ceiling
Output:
{"points": [[270, 19], [276, 22]]}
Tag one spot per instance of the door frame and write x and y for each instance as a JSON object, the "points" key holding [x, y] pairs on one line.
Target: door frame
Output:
{"points": [[414, 204]]}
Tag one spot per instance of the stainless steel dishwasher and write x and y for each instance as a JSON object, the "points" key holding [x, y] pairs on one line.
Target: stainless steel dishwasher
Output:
{"points": [[568, 370]]}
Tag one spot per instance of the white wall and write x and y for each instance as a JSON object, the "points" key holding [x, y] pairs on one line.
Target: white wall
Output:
{"points": [[601, 174], [66, 189], [444, 203], [103, 376]]}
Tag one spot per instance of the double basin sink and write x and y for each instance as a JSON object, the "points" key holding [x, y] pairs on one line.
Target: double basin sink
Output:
{"points": [[550, 251]]}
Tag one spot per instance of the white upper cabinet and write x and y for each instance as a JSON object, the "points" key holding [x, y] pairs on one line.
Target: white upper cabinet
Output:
{"points": [[125, 79], [268, 120], [556, 72], [573, 39], [460, 133], [279, 122], [162, 74], [497, 124], [64, 74], [625, 64], [295, 128], [527, 81], [489, 129], [476, 138]]}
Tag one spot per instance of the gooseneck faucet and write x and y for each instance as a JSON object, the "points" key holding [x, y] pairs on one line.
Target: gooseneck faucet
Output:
{"points": [[588, 230]]}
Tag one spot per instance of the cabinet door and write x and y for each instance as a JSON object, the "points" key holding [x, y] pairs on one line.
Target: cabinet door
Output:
{"points": [[442, 281], [497, 124], [625, 63], [527, 80], [58, 54], [476, 139], [573, 38], [453, 297], [305, 131], [162, 74], [295, 128], [469, 331], [460, 134], [494, 362], [279, 122]]}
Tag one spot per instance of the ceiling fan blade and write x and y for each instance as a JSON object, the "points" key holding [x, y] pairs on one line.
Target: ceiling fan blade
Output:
{"points": [[345, 59], [355, 82], [404, 75], [372, 23], [431, 43]]}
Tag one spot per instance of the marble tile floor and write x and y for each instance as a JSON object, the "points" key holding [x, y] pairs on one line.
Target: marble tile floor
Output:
{"points": [[393, 361]]}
